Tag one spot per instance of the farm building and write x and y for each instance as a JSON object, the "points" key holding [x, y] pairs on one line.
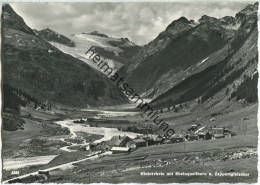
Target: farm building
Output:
{"points": [[119, 141], [217, 133], [140, 142], [220, 132], [218, 136], [120, 150], [192, 137], [217, 130], [176, 139], [204, 135], [100, 146], [131, 145], [153, 140], [194, 127], [92, 146], [166, 141], [135, 143], [87, 147], [158, 140]]}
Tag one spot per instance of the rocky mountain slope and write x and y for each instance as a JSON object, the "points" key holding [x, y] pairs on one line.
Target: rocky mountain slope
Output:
{"points": [[36, 68], [228, 73], [180, 51], [176, 62], [159, 43], [52, 36]]}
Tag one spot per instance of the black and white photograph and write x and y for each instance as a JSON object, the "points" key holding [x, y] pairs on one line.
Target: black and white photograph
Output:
{"points": [[129, 92]]}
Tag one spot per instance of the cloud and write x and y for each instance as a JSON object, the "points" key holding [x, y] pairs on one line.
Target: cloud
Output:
{"points": [[141, 21]]}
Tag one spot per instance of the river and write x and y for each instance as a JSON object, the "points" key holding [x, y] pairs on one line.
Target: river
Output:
{"points": [[107, 133]]}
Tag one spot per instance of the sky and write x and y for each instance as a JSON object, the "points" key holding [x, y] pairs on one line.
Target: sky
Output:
{"points": [[141, 22]]}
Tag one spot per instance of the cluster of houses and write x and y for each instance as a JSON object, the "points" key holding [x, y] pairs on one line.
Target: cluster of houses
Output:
{"points": [[197, 132], [174, 108], [81, 120], [124, 144]]}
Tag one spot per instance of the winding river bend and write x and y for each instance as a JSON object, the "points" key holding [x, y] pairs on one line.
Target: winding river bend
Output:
{"points": [[107, 133]]}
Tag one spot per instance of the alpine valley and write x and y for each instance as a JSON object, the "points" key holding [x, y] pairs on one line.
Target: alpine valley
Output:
{"points": [[65, 121]]}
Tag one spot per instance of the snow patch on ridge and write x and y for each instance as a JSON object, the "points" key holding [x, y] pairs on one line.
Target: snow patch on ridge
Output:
{"points": [[204, 60]]}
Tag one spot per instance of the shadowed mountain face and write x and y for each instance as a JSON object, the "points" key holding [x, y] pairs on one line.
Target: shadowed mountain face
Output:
{"points": [[192, 60], [158, 44], [229, 72], [38, 69], [183, 44]]}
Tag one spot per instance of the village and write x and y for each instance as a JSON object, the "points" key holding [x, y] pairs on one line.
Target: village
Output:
{"points": [[125, 144]]}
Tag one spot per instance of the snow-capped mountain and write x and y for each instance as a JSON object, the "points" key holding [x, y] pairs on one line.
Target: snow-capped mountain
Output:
{"points": [[114, 51]]}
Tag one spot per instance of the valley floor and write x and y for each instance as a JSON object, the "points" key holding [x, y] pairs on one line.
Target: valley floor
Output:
{"points": [[211, 160]]}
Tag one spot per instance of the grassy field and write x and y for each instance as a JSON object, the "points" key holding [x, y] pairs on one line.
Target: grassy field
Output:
{"points": [[204, 157], [22, 143]]}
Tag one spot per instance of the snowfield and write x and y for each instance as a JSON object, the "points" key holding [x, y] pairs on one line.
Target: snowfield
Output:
{"points": [[83, 42], [204, 60]]}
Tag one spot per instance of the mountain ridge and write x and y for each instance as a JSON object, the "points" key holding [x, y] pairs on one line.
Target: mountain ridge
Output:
{"points": [[240, 51], [39, 69], [52, 36], [210, 30]]}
